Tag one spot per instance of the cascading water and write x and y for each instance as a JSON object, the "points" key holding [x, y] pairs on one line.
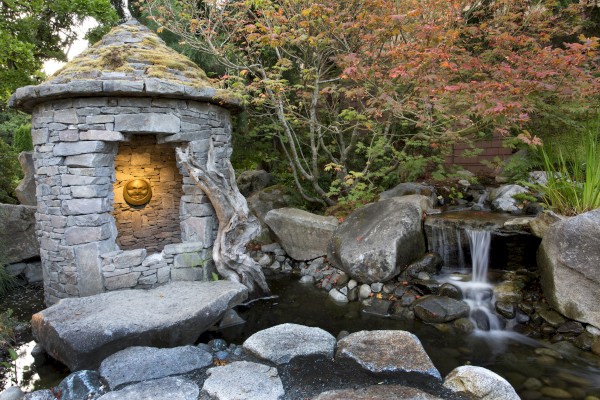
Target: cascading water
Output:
{"points": [[478, 293]]}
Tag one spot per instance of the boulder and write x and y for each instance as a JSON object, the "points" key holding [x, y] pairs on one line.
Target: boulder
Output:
{"points": [[502, 198], [249, 182], [378, 240], [479, 383], [18, 241], [568, 260], [303, 236], [81, 332], [379, 392], [25, 191], [44, 394], [281, 343], [243, 380], [408, 188], [436, 309], [387, 351], [12, 393], [263, 201], [81, 385], [173, 388], [430, 263], [137, 364]]}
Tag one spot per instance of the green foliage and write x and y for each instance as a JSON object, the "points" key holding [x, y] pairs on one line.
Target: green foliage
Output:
{"points": [[22, 140], [10, 121], [572, 186], [8, 339], [11, 173]]}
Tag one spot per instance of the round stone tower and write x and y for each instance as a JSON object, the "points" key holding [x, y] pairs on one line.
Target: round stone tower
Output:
{"points": [[115, 208]]}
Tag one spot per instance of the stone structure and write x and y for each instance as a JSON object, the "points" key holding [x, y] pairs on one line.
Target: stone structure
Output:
{"points": [[113, 114]]}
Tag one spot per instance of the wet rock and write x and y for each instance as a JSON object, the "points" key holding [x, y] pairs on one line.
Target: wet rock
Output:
{"points": [[378, 307], [567, 259], [552, 317], [250, 182], [303, 235], [353, 294], [231, 318], [430, 263], [509, 291], [480, 383], [527, 308], [584, 341], [502, 198], [81, 332], [555, 393], [376, 240], [136, 364], [81, 385], [398, 311], [387, 351], [243, 380], [440, 309], [532, 384], [379, 392], [172, 388], [464, 325], [307, 279], [336, 295], [570, 327], [506, 309], [12, 393], [449, 290], [540, 224], [282, 343]]}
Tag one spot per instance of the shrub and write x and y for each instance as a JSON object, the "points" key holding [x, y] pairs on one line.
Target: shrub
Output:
{"points": [[11, 173], [22, 139]]}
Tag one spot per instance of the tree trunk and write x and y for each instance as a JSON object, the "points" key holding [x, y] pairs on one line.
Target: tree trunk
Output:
{"points": [[237, 226]]}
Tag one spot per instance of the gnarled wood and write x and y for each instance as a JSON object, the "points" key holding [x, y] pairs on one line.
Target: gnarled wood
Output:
{"points": [[237, 226]]}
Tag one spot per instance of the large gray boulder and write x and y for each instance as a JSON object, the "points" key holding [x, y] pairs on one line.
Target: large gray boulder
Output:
{"points": [[502, 197], [249, 182], [173, 388], [141, 363], [568, 260], [479, 383], [243, 380], [25, 191], [18, 241], [387, 351], [282, 343], [379, 392], [81, 332], [303, 236], [378, 240], [263, 201]]}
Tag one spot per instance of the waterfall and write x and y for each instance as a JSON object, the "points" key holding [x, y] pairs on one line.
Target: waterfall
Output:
{"points": [[478, 293]]}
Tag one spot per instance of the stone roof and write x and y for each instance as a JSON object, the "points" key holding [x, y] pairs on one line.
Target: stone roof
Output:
{"points": [[129, 60]]}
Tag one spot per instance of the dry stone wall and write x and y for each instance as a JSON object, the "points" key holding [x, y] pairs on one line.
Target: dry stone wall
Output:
{"points": [[76, 141]]}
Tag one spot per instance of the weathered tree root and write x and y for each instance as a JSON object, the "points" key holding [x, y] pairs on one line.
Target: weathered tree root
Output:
{"points": [[237, 226]]}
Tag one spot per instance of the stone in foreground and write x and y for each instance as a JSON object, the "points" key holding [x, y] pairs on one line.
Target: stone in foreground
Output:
{"points": [[480, 384], [568, 260], [387, 351], [281, 343], [437, 309], [81, 332], [379, 392], [303, 236], [243, 380], [174, 388], [138, 363]]}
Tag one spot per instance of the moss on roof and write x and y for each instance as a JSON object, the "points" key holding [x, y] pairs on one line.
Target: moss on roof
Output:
{"points": [[131, 52]]}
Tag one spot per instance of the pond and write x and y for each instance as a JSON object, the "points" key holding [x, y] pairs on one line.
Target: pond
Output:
{"points": [[531, 366]]}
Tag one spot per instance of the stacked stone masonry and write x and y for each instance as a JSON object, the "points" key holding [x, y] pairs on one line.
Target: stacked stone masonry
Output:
{"points": [[76, 143]]}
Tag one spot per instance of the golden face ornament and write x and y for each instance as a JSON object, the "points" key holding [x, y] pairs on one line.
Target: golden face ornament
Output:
{"points": [[137, 192]]}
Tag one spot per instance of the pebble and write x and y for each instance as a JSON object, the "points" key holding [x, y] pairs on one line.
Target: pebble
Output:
{"points": [[344, 291], [336, 295], [424, 276], [353, 294], [275, 266], [222, 355], [264, 260], [364, 291], [376, 287], [218, 344], [352, 284], [593, 330], [308, 279], [532, 384], [548, 352], [556, 393]]}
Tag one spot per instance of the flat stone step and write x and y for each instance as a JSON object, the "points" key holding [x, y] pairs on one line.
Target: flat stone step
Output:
{"points": [[81, 332]]}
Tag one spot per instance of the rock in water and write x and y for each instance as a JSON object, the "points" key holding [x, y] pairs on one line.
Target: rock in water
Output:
{"points": [[243, 380], [379, 392], [376, 241], [18, 241], [81, 385], [440, 309], [480, 383], [81, 332], [303, 236], [136, 364], [568, 260], [174, 388], [282, 343], [387, 351]]}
